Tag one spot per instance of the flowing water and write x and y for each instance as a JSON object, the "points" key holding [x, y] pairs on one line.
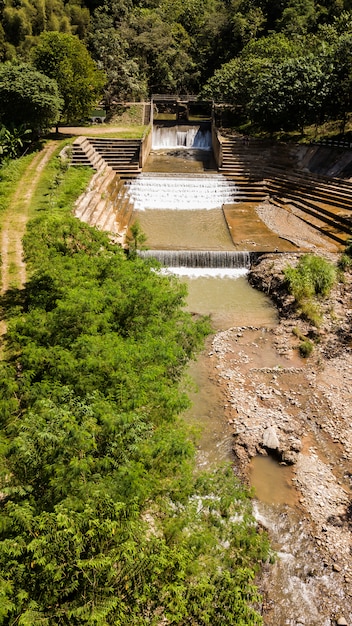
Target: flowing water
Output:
{"points": [[296, 582], [194, 136]]}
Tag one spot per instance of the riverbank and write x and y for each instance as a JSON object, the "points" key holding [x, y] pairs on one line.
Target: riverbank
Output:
{"points": [[300, 411]]}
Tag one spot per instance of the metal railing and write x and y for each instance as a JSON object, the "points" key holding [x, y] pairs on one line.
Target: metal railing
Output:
{"points": [[333, 143]]}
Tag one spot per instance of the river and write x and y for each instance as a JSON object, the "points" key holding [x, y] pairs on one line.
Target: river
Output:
{"points": [[295, 586]]}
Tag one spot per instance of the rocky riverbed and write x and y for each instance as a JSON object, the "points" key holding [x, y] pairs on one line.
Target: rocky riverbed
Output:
{"points": [[298, 410]]}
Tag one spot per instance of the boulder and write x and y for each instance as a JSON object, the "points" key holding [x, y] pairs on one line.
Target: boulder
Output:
{"points": [[270, 439]]}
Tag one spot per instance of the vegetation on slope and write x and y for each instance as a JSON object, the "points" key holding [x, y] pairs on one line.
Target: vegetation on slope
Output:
{"points": [[104, 519], [311, 280]]}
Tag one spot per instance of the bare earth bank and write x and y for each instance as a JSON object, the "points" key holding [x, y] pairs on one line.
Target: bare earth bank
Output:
{"points": [[299, 410]]}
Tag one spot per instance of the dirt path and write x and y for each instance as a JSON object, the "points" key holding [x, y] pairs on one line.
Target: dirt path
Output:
{"points": [[13, 271], [14, 220], [90, 131]]}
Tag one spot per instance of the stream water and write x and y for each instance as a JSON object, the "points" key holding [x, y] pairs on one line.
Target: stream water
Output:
{"points": [[297, 580]]}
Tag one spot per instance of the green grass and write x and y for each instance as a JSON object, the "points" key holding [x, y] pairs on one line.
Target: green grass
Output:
{"points": [[10, 175], [59, 185], [105, 131]]}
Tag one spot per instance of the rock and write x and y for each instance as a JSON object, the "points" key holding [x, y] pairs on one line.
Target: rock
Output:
{"points": [[289, 456], [295, 445], [341, 621], [270, 439]]}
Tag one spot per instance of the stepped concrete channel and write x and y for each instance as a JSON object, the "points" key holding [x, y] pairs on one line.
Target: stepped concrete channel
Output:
{"points": [[310, 183], [311, 581]]}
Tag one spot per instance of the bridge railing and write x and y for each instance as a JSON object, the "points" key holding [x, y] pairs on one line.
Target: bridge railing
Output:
{"points": [[174, 97], [333, 143]]}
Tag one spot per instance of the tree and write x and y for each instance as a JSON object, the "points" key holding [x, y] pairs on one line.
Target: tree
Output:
{"points": [[27, 97], [66, 59], [110, 48], [235, 82], [161, 50], [290, 95], [341, 79], [298, 17]]}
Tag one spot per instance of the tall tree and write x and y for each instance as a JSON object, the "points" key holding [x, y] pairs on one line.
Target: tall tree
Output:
{"points": [[289, 95], [66, 59], [109, 45], [341, 79], [27, 97]]}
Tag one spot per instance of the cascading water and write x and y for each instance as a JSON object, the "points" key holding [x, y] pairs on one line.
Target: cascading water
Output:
{"points": [[201, 263], [172, 137], [200, 258], [297, 583], [155, 191], [298, 579]]}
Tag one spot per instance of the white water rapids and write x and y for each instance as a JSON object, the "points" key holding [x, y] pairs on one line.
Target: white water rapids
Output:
{"points": [[209, 272], [157, 191]]}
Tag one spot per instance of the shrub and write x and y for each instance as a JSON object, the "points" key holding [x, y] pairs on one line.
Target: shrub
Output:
{"points": [[311, 312], [345, 262], [306, 348], [313, 277]]}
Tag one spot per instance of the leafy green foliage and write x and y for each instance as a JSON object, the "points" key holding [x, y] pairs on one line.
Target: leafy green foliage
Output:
{"points": [[103, 517], [306, 348], [65, 58], [136, 239], [313, 277], [23, 22], [12, 143], [27, 97], [290, 95]]}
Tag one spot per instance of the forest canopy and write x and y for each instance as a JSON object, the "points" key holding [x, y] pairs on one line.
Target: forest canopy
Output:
{"points": [[281, 64]]}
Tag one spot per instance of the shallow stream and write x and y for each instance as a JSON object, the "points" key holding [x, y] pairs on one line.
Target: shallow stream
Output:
{"points": [[294, 585]]}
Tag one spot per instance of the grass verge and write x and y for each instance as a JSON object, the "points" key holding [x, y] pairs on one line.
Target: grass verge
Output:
{"points": [[59, 184]]}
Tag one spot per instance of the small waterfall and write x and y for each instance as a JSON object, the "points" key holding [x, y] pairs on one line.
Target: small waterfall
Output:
{"points": [[173, 137], [152, 191], [200, 258]]}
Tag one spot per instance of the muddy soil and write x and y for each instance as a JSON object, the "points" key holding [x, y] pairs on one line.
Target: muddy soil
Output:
{"points": [[300, 411]]}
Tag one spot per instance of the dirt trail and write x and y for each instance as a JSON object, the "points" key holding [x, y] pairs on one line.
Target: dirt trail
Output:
{"points": [[13, 271], [14, 220]]}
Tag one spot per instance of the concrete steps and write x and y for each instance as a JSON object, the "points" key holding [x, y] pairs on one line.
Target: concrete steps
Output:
{"points": [[122, 155], [315, 220], [326, 190], [261, 169], [83, 153]]}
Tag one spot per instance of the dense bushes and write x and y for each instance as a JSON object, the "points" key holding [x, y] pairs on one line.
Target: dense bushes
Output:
{"points": [[313, 278], [104, 519]]}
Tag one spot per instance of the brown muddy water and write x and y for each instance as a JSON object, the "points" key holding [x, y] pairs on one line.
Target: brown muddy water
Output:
{"points": [[292, 587], [230, 301], [295, 586]]}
